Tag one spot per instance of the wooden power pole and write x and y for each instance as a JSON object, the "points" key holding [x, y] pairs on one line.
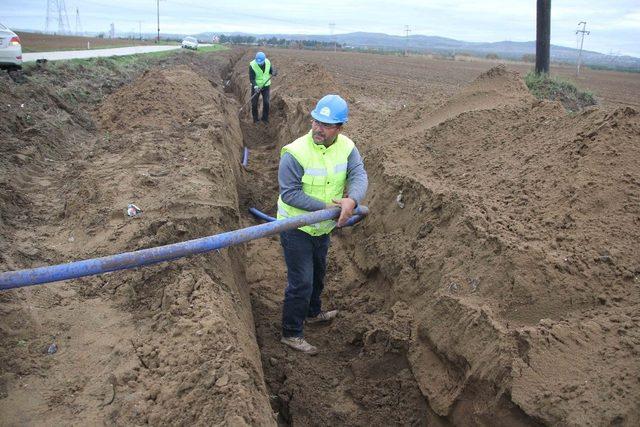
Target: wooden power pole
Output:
{"points": [[543, 36]]}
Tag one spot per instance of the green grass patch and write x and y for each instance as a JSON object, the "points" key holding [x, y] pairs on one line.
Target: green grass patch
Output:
{"points": [[212, 48], [543, 86], [96, 47], [139, 60]]}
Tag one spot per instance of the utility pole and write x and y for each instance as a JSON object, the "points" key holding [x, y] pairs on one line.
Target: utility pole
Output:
{"points": [[332, 26], [158, 39], [582, 33], [140, 29], [543, 36], [406, 44]]}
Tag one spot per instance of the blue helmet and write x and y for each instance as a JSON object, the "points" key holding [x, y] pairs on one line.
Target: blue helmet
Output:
{"points": [[260, 57], [331, 109]]}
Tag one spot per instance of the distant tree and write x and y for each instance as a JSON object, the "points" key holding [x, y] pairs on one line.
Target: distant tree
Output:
{"points": [[492, 56], [529, 57], [242, 39]]}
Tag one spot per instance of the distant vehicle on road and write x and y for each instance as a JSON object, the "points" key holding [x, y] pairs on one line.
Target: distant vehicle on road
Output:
{"points": [[190, 43], [10, 50]]}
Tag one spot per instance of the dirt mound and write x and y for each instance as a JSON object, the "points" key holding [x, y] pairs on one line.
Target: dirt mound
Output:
{"points": [[492, 89], [508, 228], [197, 343], [170, 343], [160, 95], [499, 80], [309, 79], [41, 127]]}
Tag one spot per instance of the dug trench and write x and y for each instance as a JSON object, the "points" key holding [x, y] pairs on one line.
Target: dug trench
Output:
{"points": [[495, 281]]}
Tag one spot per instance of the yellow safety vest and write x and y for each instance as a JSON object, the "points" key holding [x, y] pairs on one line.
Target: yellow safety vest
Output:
{"points": [[262, 76], [324, 177]]}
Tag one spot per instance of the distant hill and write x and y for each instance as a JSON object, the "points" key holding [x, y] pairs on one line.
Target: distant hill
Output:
{"points": [[442, 45]]}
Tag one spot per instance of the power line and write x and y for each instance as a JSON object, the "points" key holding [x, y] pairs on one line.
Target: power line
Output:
{"points": [[582, 33]]}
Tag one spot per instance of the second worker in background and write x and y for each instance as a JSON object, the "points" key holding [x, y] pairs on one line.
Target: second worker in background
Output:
{"points": [[260, 73]]}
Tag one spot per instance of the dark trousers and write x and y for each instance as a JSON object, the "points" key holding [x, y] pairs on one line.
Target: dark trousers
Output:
{"points": [[306, 259], [265, 93]]}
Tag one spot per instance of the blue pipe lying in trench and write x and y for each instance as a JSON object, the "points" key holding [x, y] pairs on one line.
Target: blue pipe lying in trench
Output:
{"points": [[72, 270], [261, 215], [245, 157]]}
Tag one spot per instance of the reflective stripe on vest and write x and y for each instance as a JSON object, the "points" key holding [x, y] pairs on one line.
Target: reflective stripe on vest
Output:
{"points": [[324, 177], [261, 76]]}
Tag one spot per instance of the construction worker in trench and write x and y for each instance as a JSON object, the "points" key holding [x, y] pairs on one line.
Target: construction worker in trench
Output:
{"points": [[319, 170], [260, 73]]}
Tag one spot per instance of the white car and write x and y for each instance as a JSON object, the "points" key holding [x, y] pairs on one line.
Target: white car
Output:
{"points": [[10, 49], [190, 43]]}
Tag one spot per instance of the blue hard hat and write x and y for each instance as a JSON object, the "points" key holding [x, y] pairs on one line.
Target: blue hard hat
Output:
{"points": [[331, 109], [260, 57]]}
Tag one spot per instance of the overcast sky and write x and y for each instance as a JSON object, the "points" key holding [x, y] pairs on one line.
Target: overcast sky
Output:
{"points": [[614, 24]]}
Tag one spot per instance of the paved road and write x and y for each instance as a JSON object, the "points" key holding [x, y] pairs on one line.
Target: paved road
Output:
{"points": [[72, 54]]}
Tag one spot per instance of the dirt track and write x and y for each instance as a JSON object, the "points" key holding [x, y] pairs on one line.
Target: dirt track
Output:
{"points": [[496, 281]]}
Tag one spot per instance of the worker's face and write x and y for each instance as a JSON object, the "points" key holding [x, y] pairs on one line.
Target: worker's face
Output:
{"points": [[324, 133]]}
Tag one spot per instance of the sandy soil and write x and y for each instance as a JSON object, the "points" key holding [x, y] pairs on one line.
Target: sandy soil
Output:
{"points": [[496, 281]]}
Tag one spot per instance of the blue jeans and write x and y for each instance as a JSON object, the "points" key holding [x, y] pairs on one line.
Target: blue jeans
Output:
{"points": [[306, 259]]}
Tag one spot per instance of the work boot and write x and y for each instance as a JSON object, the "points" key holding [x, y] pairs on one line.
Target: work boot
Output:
{"points": [[323, 316], [300, 344]]}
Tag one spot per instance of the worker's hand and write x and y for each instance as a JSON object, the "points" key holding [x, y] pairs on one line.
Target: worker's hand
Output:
{"points": [[256, 88], [347, 205]]}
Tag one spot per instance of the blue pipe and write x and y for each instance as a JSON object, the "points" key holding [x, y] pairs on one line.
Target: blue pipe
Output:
{"points": [[353, 221], [261, 215], [72, 270], [245, 157]]}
